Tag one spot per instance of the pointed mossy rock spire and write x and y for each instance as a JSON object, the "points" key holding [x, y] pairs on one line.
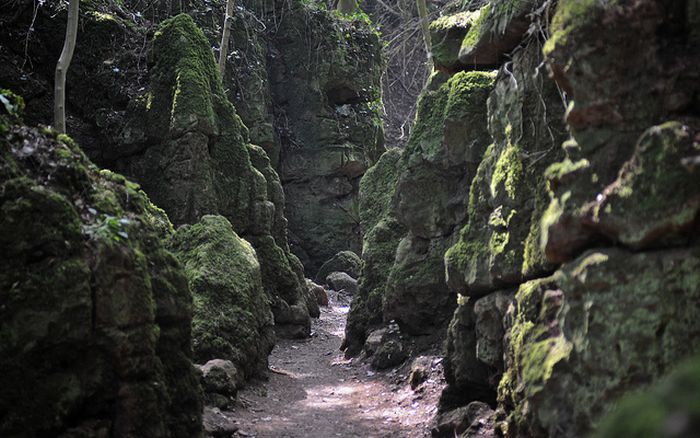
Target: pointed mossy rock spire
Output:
{"points": [[199, 161]]}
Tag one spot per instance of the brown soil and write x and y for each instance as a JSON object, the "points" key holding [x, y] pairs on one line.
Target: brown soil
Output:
{"points": [[313, 392]]}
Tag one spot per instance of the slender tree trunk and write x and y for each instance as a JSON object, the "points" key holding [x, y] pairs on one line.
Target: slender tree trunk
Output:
{"points": [[347, 7], [425, 26], [225, 36], [59, 106]]}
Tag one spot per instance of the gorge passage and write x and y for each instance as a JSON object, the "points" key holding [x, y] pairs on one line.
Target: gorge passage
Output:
{"points": [[303, 246]]}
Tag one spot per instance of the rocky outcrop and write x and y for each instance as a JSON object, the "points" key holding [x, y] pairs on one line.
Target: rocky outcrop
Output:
{"points": [[621, 225], [430, 201], [381, 235], [204, 164], [325, 84], [232, 318], [620, 310], [571, 263], [612, 318], [415, 223], [96, 313]]}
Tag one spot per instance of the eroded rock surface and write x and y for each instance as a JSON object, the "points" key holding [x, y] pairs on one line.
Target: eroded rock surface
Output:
{"points": [[232, 317], [96, 313]]}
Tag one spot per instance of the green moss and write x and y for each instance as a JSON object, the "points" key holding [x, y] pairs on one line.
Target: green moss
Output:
{"points": [[184, 64], [11, 108], [377, 188], [508, 172], [462, 96], [532, 351], [231, 310], [446, 34], [560, 170], [570, 15], [672, 402], [477, 29]]}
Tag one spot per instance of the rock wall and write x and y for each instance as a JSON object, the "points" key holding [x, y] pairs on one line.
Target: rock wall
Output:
{"points": [[382, 233], [439, 161], [95, 321], [623, 218], [202, 163], [325, 83], [307, 84], [412, 206], [570, 241]]}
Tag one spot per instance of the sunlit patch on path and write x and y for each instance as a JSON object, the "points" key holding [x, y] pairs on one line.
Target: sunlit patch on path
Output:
{"points": [[314, 392]]}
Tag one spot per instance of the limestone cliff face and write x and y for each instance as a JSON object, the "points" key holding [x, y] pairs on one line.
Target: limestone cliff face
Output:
{"points": [[96, 312], [307, 84], [203, 162], [413, 204], [325, 84], [623, 218]]}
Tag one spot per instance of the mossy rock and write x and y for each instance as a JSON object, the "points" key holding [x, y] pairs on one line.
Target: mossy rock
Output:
{"points": [[282, 285], [499, 245], [345, 261], [611, 318], [95, 323], [613, 127], [416, 296], [498, 28], [330, 100], [446, 34], [382, 233], [232, 317]]}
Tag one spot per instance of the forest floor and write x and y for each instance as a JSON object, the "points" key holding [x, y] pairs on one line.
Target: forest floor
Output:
{"points": [[314, 392]]}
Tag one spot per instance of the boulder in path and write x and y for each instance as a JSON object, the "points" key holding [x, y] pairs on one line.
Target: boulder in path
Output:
{"points": [[342, 281], [344, 261]]}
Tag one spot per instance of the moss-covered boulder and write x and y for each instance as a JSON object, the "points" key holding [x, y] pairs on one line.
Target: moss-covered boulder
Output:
{"points": [[232, 317], [430, 199], [670, 408], [446, 34], [500, 244], [96, 312], [499, 28], [344, 261], [612, 319], [381, 235]]}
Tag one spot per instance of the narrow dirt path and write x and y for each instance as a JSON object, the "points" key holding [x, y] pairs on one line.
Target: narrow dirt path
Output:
{"points": [[313, 392]]}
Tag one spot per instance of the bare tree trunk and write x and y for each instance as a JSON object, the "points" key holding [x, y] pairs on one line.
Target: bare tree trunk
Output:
{"points": [[347, 7], [425, 26], [225, 37], [59, 106]]}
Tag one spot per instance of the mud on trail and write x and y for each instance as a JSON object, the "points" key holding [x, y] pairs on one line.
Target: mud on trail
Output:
{"points": [[314, 392]]}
